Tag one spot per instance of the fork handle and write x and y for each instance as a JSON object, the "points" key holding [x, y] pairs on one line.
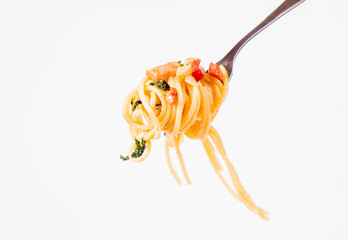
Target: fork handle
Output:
{"points": [[285, 7]]}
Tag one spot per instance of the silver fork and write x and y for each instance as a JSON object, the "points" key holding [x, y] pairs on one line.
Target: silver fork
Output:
{"points": [[285, 7]]}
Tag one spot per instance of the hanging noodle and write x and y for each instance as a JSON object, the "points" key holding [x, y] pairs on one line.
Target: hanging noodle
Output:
{"points": [[187, 111]]}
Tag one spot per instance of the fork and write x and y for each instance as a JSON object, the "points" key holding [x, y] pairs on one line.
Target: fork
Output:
{"points": [[284, 8]]}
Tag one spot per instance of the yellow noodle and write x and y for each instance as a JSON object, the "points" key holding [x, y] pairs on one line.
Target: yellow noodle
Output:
{"points": [[171, 169]]}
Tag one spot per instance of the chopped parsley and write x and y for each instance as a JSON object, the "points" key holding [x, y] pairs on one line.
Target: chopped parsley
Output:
{"points": [[139, 149], [124, 158], [161, 85], [136, 104], [180, 63]]}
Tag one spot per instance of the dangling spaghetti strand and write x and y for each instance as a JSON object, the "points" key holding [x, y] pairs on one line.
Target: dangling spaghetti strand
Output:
{"points": [[171, 169], [216, 165], [213, 134]]}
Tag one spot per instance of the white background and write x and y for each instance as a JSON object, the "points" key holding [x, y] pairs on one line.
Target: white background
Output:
{"points": [[65, 68]]}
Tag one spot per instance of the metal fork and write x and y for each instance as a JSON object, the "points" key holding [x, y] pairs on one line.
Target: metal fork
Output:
{"points": [[285, 7]]}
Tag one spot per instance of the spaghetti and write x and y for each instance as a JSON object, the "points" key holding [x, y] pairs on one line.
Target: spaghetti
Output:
{"points": [[181, 99]]}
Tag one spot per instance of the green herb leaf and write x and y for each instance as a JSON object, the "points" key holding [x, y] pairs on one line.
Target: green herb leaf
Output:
{"points": [[180, 63], [136, 104], [164, 134], [139, 149], [124, 158], [161, 85]]}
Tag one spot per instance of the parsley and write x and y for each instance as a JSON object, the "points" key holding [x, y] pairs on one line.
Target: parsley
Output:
{"points": [[136, 104], [124, 158], [180, 63], [139, 149], [164, 134], [161, 85]]}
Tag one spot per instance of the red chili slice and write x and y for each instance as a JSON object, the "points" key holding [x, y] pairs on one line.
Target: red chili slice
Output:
{"points": [[198, 73], [172, 96], [194, 62], [215, 71]]}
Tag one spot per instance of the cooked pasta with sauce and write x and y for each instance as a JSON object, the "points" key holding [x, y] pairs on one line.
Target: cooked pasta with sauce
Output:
{"points": [[182, 100]]}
